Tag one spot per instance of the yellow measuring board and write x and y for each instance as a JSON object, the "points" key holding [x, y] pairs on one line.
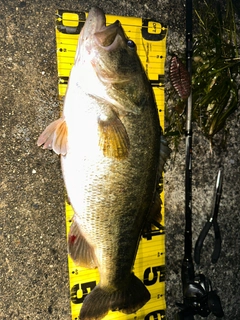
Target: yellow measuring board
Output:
{"points": [[150, 39]]}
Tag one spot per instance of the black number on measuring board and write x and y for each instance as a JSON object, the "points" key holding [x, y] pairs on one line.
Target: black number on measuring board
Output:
{"points": [[158, 231], [84, 288], [152, 36], [63, 28], [153, 274], [158, 83], [63, 80], [156, 315]]}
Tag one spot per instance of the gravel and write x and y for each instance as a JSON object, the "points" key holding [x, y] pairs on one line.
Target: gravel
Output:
{"points": [[34, 271]]}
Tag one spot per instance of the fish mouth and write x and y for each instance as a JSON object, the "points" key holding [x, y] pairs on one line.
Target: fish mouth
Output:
{"points": [[96, 25], [108, 34]]}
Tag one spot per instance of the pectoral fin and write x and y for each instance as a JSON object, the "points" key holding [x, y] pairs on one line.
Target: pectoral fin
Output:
{"points": [[113, 138], [55, 137]]}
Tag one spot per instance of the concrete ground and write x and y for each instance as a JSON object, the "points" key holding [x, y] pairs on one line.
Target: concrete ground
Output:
{"points": [[33, 256]]}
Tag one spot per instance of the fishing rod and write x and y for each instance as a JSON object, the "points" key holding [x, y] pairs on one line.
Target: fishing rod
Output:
{"points": [[187, 266], [198, 296]]}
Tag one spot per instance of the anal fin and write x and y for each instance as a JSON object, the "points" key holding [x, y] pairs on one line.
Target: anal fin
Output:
{"points": [[79, 249]]}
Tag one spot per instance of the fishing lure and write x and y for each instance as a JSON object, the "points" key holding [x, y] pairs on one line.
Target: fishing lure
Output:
{"points": [[180, 77]]}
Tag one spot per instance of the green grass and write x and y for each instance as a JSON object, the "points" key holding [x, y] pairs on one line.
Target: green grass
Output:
{"points": [[215, 67]]}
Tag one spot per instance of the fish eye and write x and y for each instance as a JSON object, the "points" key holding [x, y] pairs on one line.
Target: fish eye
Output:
{"points": [[131, 44]]}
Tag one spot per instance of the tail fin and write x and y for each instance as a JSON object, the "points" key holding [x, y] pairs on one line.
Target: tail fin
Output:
{"points": [[97, 304]]}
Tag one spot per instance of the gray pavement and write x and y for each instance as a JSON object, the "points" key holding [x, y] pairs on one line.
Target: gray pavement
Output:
{"points": [[33, 256]]}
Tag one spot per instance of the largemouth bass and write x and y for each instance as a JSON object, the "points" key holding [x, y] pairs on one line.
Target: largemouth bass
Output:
{"points": [[112, 154]]}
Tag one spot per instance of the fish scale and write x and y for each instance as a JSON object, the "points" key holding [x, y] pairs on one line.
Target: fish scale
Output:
{"points": [[137, 159]]}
